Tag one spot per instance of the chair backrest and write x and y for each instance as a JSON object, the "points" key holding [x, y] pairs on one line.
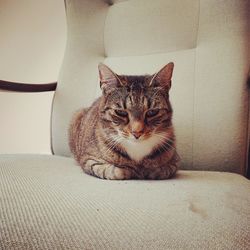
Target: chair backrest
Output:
{"points": [[208, 41]]}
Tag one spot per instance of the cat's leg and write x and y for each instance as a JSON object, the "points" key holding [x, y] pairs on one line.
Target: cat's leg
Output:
{"points": [[161, 173], [106, 170]]}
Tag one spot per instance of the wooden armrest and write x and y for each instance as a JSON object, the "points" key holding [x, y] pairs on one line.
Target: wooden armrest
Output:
{"points": [[25, 87]]}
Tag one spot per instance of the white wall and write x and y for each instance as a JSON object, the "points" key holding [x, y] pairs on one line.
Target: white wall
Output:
{"points": [[32, 41]]}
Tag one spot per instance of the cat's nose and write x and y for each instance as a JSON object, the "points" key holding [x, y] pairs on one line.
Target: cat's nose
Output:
{"points": [[137, 128], [137, 135]]}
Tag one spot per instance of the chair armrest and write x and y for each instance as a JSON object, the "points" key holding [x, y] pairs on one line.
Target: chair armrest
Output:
{"points": [[25, 87]]}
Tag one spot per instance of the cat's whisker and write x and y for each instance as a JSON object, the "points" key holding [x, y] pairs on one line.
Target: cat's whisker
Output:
{"points": [[169, 139], [165, 146], [164, 142], [114, 141], [109, 149], [169, 146], [124, 135], [162, 146], [164, 137]]}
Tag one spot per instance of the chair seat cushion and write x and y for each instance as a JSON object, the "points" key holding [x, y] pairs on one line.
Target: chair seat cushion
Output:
{"points": [[48, 202]]}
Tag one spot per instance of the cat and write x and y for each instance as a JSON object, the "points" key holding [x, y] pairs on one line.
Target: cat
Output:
{"points": [[127, 133]]}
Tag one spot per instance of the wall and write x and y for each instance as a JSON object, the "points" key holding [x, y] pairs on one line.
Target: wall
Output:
{"points": [[33, 37]]}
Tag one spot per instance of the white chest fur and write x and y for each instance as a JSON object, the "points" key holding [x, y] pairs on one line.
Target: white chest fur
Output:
{"points": [[138, 149]]}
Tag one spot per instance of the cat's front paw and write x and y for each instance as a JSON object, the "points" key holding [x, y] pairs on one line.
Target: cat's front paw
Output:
{"points": [[161, 173], [116, 173], [105, 170]]}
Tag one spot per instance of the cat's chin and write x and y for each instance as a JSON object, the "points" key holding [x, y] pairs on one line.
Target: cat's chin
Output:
{"points": [[134, 140], [137, 149]]}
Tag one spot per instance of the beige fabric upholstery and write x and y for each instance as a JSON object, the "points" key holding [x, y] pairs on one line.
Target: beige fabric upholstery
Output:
{"points": [[47, 202], [209, 42], [147, 27]]}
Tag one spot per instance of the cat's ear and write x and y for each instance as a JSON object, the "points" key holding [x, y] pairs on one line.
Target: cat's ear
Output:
{"points": [[163, 77], [107, 77]]}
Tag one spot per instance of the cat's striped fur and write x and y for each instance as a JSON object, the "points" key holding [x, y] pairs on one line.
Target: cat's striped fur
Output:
{"points": [[127, 133]]}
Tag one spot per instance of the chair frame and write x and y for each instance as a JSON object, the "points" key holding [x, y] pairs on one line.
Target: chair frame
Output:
{"points": [[25, 87]]}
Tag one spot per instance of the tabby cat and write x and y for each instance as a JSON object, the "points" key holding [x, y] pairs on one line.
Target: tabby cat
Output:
{"points": [[127, 133]]}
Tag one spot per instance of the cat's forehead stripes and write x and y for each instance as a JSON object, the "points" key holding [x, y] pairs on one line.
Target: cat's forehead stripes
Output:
{"points": [[136, 101], [137, 96]]}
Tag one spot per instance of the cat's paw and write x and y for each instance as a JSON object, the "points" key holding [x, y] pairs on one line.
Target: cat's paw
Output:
{"points": [[116, 173], [106, 171], [161, 173]]}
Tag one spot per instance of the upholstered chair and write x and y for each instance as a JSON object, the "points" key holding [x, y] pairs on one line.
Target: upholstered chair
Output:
{"points": [[48, 202]]}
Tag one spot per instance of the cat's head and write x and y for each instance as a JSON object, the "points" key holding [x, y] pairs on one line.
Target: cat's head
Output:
{"points": [[136, 108]]}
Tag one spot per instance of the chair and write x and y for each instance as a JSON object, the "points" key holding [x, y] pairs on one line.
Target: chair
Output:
{"points": [[48, 202]]}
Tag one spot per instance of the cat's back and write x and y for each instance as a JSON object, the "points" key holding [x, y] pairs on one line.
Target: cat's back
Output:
{"points": [[80, 125]]}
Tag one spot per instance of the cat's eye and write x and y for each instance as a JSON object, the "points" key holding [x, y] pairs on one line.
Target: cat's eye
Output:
{"points": [[121, 113], [152, 112]]}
